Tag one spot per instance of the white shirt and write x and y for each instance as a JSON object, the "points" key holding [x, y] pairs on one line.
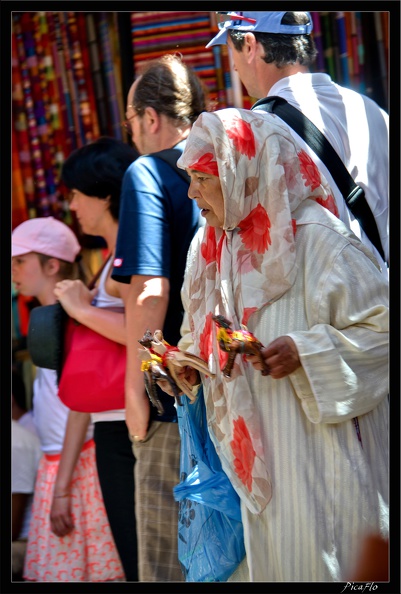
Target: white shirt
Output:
{"points": [[49, 413], [28, 422], [25, 458], [358, 130]]}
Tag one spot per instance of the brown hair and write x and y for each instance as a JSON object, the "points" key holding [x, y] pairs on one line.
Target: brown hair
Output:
{"points": [[171, 88], [68, 270]]}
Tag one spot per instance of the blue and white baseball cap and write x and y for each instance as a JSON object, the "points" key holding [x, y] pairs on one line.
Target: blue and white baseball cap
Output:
{"points": [[264, 22]]}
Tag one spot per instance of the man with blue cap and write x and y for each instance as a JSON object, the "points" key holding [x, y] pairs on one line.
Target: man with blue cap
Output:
{"points": [[273, 53]]}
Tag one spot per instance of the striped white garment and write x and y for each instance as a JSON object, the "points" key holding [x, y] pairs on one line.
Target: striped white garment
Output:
{"points": [[277, 260], [329, 490]]}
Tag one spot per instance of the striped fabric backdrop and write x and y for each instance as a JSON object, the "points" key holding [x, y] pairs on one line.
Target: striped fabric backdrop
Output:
{"points": [[67, 86], [66, 92], [157, 33]]}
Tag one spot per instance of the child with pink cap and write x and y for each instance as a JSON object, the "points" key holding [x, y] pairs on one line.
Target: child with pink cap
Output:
{"points": [[69, 536]]}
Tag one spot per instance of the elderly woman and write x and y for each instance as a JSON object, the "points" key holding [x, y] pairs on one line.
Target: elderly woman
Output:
{"points": [[306, 446]]}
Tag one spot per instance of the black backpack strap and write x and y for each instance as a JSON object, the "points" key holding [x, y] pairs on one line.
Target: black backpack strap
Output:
{"points": [[353, 194], [171, 157]]}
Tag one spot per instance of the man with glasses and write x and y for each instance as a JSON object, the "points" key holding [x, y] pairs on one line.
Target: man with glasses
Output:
{"points": [[156, 225], [273, 53]]}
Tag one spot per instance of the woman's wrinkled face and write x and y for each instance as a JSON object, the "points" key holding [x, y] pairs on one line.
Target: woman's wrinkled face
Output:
{"points": [[206, 190]]}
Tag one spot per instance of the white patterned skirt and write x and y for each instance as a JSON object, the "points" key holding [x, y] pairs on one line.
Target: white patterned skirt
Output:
{"points": [[88, 553]]}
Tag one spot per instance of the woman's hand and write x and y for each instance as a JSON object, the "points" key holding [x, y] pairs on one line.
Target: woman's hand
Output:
{"points": [[74, 296], [281, 355], [61, 521]]}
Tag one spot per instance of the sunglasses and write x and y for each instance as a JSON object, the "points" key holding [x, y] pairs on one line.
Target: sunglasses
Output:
{"points": [[234, 18]]}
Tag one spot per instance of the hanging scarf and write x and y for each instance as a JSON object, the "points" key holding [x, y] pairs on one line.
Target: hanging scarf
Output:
{"points": [[244, 266]]}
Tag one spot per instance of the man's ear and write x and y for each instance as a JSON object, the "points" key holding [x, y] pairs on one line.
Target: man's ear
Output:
{"points": [[250, 47], [151, 119]]}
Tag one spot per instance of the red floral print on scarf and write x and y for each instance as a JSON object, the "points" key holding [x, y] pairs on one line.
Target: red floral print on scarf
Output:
{"points": [[289, 234], [329, 203], [244, 454], [255, 230], [291, 174], [208, 247], [205, 339], [242, 136], [206, 164], [248, 311], [206, 343], [309, 171]]}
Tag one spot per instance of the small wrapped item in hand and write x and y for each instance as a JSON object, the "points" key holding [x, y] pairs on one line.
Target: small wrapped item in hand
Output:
{"points": [[161, 361], [237, 341]]}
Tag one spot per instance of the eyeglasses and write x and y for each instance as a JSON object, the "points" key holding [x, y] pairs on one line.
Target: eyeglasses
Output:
{"points": [[127, 125], [234, 18]]}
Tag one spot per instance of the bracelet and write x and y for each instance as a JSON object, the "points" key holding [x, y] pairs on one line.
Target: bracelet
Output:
{"points": [[61, 496]]}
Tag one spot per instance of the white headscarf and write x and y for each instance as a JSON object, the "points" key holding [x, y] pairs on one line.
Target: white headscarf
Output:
{"points": [[245, 266]]}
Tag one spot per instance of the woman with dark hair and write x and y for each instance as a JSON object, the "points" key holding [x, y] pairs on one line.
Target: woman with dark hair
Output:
{"points": [[93, 175], [97, 169]]}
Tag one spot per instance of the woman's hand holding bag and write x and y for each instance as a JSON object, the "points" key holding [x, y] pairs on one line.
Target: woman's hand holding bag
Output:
{"points": [[90, 367]]}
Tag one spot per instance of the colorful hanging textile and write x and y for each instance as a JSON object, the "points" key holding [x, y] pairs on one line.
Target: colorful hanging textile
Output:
{"points": [[78, 81], [86, 67], [51, 89], [19, 208], [108, 68], [33, 103], [116, 57], [59, 101], [67, 82], [156, 33], [64, 122], [96, 72], [23, 193]]}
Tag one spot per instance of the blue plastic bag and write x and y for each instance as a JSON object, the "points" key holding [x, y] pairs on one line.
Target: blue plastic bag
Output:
{"points": [[210, 531]]}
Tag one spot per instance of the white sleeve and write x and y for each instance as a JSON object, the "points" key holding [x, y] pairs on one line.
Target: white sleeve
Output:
{"points": [[344, 356]]}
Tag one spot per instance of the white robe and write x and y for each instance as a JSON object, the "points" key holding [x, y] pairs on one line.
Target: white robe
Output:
{"points": [[328, 489]]}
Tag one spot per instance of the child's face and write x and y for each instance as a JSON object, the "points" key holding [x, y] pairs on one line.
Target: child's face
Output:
{"points": [[27, 274]]}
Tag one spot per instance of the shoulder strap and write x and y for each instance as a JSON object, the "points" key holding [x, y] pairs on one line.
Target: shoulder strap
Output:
{"points": [[353, 194], [171, 157], [92, 283]]}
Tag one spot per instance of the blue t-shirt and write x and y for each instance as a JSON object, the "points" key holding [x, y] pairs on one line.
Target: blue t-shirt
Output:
{"points": [[156, 225]]}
